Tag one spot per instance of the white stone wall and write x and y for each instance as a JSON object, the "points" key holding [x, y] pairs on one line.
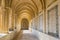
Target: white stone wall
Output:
{"points": [[43, 36]]}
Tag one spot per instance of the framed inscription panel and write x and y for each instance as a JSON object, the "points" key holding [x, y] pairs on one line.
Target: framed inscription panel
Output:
{"points": [[53, 21]]}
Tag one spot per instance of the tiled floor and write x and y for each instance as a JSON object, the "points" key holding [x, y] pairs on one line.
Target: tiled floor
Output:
{"points": [[27, 36]]}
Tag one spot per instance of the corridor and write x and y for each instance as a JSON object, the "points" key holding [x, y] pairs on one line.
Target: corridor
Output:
{"points": [[29, 19]]}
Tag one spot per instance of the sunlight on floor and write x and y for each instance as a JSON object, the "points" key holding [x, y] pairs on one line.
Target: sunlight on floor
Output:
{"points": [[26, 31]]}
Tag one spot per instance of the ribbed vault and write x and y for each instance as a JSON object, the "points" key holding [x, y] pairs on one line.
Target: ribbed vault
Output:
{"points": [[14, 11], [33, 7], [25, 9]]}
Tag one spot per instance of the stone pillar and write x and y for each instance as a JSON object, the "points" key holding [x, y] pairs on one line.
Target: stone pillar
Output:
{"points": [[1, 16], [3, 4], [0, 20], [44, 20], [6, 20], [59, 15], [10, 19], [13, 20]]}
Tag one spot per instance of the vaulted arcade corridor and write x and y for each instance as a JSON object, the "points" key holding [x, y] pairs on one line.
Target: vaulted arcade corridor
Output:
{"points": [[29, 19]]}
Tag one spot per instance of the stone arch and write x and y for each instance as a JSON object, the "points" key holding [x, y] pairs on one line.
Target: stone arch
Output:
{"points": [[24, 24]]}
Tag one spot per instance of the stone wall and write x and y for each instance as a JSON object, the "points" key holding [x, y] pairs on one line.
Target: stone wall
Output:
{"points": [[51, 23]]}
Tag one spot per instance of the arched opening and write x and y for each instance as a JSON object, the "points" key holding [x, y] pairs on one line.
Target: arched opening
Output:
{"points": [[24, 24]]}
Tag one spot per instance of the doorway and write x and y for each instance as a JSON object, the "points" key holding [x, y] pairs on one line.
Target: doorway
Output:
{"points": [[24, 24]]}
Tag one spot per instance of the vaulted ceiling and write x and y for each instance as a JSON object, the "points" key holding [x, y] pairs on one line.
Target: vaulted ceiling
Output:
{"points": [[31, 7]]}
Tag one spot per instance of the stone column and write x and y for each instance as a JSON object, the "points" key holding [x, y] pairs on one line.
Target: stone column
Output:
{"points": [[59, 15], [10, 19], [6, 20], [44, 20], [1, 16]]}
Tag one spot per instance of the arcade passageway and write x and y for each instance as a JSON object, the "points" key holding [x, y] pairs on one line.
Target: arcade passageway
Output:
{"points": [[29, 19]]}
